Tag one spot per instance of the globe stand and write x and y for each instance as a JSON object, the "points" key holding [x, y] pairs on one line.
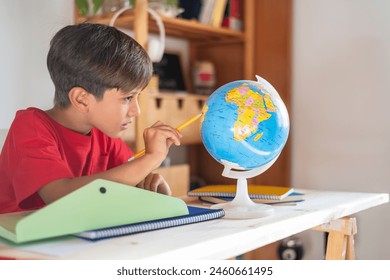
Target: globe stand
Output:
{"points": [[242, 207]]}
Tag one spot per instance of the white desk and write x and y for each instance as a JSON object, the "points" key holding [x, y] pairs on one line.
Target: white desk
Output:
{"points": [[217, 239]]}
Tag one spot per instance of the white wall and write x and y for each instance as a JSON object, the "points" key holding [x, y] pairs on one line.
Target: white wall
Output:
{"points": [[26, 28], [341, 116]]}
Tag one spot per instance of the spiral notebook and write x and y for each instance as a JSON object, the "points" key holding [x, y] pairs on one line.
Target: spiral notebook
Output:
{"points": [[291, 199], [255, 191], [196, 215]]}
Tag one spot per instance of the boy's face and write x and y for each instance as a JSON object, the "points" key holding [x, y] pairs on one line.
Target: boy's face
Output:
{"points": [[114, 112]]}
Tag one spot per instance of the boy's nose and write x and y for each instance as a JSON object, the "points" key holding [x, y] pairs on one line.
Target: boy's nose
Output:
{"points": [[134, 109]]}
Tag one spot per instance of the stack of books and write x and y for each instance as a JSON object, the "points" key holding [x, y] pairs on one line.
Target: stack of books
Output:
{"points": [[102, 209], [258, 193]]}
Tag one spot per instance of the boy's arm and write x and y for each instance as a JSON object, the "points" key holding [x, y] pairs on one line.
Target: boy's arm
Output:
{"points": [[158, 138], [129, 173]]}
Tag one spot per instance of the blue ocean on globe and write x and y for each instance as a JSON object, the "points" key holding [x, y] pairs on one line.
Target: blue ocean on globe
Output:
{"points": [[245, 124]]}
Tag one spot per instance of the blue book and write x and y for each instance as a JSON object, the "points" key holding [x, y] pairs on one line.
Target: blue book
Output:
{"points": [[196, 215]]}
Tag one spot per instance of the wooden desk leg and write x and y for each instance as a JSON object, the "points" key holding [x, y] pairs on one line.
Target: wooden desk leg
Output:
{"points": [[340, 244], [350, 248]]}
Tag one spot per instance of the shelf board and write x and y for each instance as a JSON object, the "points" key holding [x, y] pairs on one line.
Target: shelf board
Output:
{"points": [[180, 28], [193, 30]]}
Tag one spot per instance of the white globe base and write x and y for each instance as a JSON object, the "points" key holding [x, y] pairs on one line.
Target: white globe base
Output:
{"points": [[242, 207]]}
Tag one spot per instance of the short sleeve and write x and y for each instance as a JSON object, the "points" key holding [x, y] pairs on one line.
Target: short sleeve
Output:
{"points": [[37, 159], [120, 153]]}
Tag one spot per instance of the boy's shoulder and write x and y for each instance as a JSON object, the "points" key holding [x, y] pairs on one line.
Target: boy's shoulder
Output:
{"points": [[30, 113], [31, 118]]}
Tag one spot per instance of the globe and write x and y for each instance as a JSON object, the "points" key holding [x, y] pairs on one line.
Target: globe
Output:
{"points": [[245, 124]]}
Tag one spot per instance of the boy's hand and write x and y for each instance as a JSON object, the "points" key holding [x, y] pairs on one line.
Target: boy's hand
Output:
{"points": [[159, 137], [156, 183]]}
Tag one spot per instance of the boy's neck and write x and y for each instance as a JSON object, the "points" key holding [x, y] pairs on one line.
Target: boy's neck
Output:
{"points": [[71, 119]]}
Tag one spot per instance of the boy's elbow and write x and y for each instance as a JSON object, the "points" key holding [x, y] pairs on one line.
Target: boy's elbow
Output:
{"points": [[55, 190]]}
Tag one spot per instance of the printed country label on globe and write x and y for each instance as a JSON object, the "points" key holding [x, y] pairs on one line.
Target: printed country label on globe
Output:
{"points": [[245, 124]]}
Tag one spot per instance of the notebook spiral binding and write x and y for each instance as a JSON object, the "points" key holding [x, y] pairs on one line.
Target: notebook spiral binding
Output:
{"points": [[227, 194], [148, 226]]}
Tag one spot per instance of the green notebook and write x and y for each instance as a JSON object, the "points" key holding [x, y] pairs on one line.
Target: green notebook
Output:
{"points": [[99, 204]]}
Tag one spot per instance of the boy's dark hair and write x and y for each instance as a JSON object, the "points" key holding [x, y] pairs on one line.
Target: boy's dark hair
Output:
{"points": [[96, 57]]}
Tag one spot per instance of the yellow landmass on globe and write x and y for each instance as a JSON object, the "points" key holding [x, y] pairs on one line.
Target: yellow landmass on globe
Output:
{"points": [[252, 109], [257, 137], [268, 103]]}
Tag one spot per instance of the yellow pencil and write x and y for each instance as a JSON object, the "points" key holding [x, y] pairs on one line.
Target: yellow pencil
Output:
{"points": [[180, 127]]}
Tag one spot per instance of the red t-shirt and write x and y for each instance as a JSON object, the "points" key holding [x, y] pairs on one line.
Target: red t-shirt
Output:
{"points": [[39, 150]]}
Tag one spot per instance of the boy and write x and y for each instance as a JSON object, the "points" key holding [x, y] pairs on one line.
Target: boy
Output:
{"points": [[98, 73]]}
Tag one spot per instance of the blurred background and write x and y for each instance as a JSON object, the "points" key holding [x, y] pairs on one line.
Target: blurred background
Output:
{"points": [[340, 83]]}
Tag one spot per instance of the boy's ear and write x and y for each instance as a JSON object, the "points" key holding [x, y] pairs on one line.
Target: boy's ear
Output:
{"points": [[80, 99]]}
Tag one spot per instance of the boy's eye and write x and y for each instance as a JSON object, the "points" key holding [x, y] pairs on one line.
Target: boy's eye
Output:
{"points": [[128, 98]]}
